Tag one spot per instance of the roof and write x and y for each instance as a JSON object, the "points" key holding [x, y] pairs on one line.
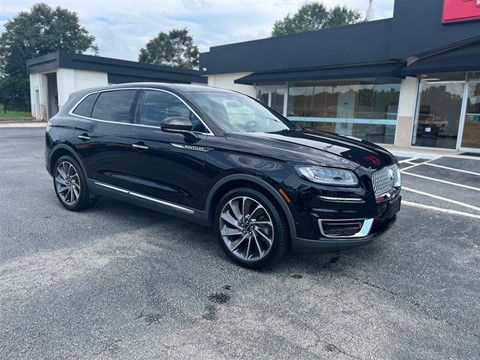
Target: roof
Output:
{"points": [[415, 31], [119, 71]]}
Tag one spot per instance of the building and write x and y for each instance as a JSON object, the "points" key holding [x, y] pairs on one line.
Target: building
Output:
{"points": [[412, 80], [55, 76]]}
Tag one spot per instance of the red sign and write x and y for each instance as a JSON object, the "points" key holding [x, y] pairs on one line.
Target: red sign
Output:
{"points": [[460, 10]]}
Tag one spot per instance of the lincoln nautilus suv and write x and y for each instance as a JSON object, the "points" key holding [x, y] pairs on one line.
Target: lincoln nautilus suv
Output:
{"points": [[223, 160]]}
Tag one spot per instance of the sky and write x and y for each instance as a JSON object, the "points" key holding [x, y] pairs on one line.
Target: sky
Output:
{"points": [[122, 28]]}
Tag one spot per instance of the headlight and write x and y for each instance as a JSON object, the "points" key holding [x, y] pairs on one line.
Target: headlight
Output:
{"points": [[327, 176]]}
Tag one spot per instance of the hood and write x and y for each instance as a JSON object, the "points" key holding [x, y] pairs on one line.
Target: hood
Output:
{"points": [[325, 149]]}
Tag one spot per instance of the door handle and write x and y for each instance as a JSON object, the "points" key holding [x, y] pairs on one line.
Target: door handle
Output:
{"points": [[140, 146], [84, 137]]}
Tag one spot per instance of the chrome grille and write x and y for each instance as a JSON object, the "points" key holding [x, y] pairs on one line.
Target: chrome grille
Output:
{"points": [[384, 180]]}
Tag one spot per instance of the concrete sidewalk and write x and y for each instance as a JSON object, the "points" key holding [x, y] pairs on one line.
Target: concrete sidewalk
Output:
{"points": [[16, 123], [426, 153]]}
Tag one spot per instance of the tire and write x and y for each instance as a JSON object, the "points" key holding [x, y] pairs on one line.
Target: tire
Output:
{"points": [[251, 229], [70, 185]]}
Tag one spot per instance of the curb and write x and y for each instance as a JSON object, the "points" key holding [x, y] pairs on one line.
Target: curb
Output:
{"points": [[21, 123]]}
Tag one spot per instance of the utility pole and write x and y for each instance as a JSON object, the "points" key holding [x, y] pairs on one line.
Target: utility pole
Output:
{"points": [[369, 15]]}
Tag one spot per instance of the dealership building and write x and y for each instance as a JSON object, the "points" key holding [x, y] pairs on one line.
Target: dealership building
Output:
{"points": [[412, 80]]}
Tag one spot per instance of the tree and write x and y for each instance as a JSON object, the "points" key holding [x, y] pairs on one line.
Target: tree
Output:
{"points": [[315, 16], [38, 32], [174, 48]]}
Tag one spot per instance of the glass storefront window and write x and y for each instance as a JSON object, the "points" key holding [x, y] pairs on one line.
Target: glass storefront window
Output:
{"points": [[439, 110], [364, 109]]}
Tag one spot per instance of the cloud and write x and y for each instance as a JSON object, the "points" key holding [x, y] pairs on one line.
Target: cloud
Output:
{"points": [[121, 28]]}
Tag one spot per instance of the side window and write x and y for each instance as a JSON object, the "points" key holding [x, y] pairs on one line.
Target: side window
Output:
{"points": [[158, 105], [85, 106], [114, 106]]}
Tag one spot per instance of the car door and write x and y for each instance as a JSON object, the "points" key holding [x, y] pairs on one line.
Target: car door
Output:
{"points": [[167, 166], [102, 137]]}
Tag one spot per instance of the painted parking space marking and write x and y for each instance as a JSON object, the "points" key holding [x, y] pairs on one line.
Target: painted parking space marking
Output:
{"points": [[408, 160], [414, 164], [447, 211], [452, 169], [441, 198], [441, 181]]}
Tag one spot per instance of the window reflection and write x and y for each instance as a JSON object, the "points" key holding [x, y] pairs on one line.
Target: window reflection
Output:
{"points": [[438, 113], [366, 110]]}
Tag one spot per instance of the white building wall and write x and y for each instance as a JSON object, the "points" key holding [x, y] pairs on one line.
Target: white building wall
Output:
{"points": [[71, 80], [226, 81], [38, 96], [406, 111], [68, 81]]}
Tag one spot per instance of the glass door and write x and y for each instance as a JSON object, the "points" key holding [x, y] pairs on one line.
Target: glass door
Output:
{"points": [[470, 138], [273, 97], [438, 113]]}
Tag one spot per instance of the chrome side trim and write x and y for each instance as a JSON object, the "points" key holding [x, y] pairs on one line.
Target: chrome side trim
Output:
{"points": [[348, 200], [152, 199], [111, 187], [364, 231], [166, 203], [143, 147], [192, 147]]}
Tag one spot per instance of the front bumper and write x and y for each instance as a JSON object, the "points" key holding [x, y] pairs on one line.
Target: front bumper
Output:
{"points": [[324, 244]]}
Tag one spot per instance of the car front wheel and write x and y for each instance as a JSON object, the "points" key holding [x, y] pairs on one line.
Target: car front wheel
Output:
{"points": [[251, 228]]}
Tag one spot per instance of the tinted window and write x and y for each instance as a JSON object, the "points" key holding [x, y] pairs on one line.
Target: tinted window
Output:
{"points": [[85, 106], [114, 106], [158, 106]]}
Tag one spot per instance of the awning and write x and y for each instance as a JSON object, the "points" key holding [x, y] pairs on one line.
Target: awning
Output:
{"points": [[337, 73], [442, 65], [462, 59]]}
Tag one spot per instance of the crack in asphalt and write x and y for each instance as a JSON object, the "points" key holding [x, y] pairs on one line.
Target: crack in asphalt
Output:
{"points": [[415, 303]]}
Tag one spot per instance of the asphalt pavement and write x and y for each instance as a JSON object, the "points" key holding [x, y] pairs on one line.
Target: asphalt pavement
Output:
{"points": [[122, 282]]}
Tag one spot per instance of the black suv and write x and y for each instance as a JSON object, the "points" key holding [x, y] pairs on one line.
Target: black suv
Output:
{"points": [[222, 159]]}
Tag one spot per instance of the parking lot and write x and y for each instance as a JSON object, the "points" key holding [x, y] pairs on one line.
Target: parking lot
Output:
{"points": [[122, 282]]}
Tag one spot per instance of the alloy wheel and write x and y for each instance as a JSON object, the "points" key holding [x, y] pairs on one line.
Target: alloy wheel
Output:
{"points": [[246, 228], [67, 183]]}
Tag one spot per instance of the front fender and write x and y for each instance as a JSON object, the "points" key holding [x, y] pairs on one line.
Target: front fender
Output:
{"points": [[229, 179]]}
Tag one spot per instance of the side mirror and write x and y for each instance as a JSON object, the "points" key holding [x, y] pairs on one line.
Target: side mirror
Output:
{"points": [[176, 124], [179, 125]]}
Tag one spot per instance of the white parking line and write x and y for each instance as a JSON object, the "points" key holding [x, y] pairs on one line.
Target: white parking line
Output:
{"points": [[442, 198], [442, 181], [407, 160], [449, 168], [414, 164], [433, 208]]}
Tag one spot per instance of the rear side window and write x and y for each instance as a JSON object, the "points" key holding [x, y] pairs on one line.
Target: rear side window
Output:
{"points": [[115, 106], [85, 106]]}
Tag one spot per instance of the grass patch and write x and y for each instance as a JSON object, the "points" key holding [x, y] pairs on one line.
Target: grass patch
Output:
{"points": [[14, 114]]}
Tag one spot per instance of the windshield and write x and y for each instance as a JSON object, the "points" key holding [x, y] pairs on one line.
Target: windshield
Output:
{"points": [[234, 112]]}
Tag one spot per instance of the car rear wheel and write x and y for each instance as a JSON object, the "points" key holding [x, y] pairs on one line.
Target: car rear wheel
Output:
{"points": [[70, 185], [251, 228]]}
